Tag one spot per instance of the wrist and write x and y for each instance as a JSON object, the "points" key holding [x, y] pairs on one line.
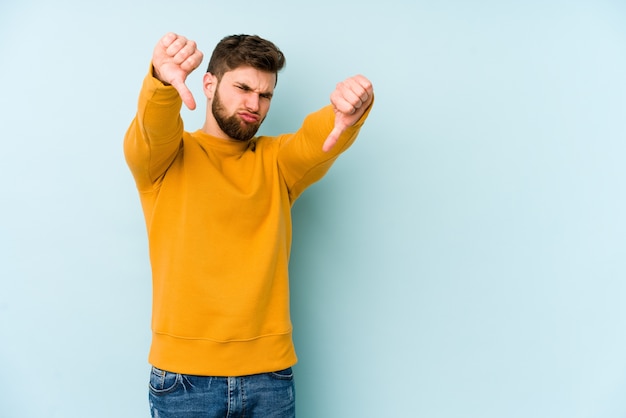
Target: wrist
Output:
{"points": [[155, 74]]}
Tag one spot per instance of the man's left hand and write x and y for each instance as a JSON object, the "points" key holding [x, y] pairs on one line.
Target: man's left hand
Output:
{"points": [[351, 98]]}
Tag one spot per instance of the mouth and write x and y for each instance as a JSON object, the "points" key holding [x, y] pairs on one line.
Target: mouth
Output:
{"points": [[249, 117]]}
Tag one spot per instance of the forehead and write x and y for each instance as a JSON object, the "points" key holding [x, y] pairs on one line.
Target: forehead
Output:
{"points": [[251, 77]]}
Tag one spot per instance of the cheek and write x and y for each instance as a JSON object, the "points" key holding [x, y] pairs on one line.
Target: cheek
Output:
{"points": [[265, 107], [230, 104]]}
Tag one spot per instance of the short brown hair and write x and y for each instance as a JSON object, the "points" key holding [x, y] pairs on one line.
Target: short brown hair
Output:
{"points": [[236, 51]]}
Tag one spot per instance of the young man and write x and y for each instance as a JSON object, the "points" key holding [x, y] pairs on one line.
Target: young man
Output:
{"points": [[217, 205]]}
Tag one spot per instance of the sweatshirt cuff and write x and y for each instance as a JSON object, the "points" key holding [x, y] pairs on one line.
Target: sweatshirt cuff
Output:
{"points": [[154, 90]]}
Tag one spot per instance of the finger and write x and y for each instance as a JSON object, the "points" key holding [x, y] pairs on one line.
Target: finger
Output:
{"points": [[349, 96], [193, 61], [345, 102], [176, 45], [167, 39], [352, 100], [184, 93], [332, 138], [358, 86], [364, 83], [185, 52]]}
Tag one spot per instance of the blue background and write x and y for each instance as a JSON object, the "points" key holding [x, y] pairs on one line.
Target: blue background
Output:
{"points": [[466, 258]]}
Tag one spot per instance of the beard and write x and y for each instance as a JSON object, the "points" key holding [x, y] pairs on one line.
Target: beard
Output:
{"points": [[232, 125]]}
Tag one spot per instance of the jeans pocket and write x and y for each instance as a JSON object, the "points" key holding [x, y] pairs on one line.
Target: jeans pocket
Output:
{"points": [[162, 382], [286, 374]]}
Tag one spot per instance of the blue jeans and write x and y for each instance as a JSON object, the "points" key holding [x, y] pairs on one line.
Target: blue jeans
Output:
{"points": [[266, 395]]}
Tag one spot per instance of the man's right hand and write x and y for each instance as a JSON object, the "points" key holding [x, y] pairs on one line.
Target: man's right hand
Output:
{"points": [[173, 59]]}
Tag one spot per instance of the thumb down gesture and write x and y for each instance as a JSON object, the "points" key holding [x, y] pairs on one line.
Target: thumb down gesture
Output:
{"points": [[351, 98], [173, 59]]}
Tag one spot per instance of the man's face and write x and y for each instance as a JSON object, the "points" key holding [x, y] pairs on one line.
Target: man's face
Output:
{"points": [[241, 101]]}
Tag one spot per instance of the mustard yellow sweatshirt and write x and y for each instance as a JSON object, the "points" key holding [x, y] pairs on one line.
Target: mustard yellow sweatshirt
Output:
{"points": [[218, 218]]}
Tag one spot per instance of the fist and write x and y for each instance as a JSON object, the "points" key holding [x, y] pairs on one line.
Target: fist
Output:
{"points": [[350, 99], [173, 59]]}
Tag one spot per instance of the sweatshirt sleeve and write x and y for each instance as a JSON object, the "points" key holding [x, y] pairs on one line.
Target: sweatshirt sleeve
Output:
{"points": [[154, 137], [301, 159]]}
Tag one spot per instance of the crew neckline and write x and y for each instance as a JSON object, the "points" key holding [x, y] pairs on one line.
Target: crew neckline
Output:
{"points": [[225, 145]]}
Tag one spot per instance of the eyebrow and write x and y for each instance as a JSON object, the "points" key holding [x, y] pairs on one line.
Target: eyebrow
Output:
{"points": [[246, 87]]}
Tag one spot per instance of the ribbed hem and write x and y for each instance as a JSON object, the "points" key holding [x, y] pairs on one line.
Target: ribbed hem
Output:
{"points": [[210, 358]]}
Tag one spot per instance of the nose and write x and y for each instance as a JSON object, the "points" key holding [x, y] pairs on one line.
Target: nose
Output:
{"points": [[252, 102]]}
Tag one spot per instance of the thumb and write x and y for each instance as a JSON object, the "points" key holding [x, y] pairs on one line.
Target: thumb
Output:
{"points": [[333, 137], [185, 93]]}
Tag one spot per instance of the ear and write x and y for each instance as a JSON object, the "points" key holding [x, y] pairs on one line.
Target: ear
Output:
{"points": [[209, 84]]}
